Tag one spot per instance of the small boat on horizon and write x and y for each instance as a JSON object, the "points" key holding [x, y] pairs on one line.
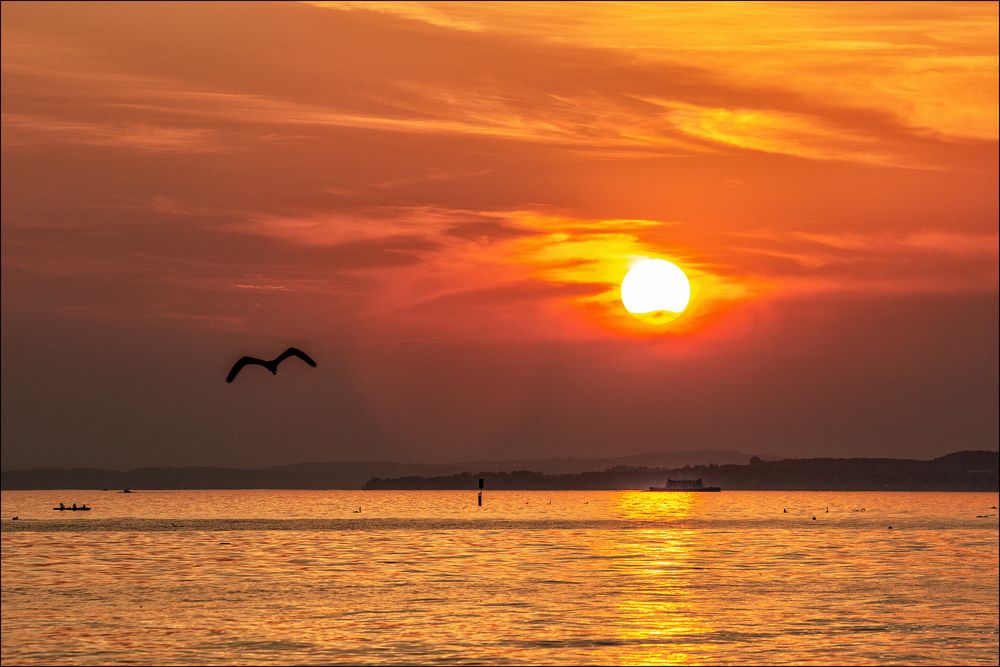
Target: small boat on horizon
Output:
{"points": [[685, 485]]}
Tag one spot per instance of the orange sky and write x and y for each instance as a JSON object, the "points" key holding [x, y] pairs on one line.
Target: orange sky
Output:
{"points": [[440, 200]]}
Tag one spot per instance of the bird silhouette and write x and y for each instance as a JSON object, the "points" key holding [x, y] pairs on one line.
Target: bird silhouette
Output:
{"points": [[272, 364]]}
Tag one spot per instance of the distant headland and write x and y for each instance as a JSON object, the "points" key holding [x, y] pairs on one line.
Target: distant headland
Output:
{"points": [[959, 471]]}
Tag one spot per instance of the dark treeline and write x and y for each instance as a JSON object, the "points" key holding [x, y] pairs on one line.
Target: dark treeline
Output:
{"points": [[961, 471]]}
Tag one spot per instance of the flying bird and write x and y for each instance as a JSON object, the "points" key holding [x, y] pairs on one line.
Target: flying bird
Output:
{"points": [[271, 365]]}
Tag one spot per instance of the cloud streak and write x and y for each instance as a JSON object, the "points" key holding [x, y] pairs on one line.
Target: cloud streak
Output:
{"points": [[641, 99]]}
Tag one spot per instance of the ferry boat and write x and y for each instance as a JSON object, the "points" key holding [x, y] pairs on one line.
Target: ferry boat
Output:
{"points": [[685, 485]]}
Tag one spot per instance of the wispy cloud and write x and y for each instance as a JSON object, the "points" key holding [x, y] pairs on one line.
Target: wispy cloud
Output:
{"points": [[780, 132], [934, 66], [853, 86], [26, 129], [922, 262], [262, 288]]}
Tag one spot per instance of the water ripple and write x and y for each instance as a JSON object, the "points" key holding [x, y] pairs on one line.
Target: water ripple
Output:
{"points": [[592, 578]]}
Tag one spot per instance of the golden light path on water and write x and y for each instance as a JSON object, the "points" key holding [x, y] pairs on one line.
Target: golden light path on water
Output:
{"points": [[279, 577]]}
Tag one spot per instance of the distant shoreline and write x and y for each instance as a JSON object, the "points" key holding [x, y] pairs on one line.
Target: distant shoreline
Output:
{"points": [[959, 471]]}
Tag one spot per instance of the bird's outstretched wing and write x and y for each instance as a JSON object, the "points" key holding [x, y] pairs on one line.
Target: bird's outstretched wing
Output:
{"points": [[240, 364], [295, 352]]}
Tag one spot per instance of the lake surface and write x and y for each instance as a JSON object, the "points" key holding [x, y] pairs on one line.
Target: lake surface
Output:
{"points": [[533, 577]]}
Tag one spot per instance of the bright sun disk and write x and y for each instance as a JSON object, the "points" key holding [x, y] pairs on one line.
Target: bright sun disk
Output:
{"points": [[655, 286]]}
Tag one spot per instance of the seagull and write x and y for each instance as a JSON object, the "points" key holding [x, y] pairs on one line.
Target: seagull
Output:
{"points": [[271, 365]]}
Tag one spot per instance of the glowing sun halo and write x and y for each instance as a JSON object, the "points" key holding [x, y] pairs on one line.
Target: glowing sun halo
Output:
{"points": [[655, 287]]}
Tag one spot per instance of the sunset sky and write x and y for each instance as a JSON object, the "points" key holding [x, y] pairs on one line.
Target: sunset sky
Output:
{"points": [[438, 202]]}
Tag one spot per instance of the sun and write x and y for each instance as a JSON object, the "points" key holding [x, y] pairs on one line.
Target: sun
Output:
{"points": [[655, 290]]}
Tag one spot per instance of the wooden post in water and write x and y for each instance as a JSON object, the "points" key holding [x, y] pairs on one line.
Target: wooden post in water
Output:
{"points": [[481, 491]]}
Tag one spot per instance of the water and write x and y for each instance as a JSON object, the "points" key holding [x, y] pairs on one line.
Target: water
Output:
{"points": [[300, 577]]}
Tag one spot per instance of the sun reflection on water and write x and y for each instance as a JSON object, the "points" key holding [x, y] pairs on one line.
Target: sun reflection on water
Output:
{"points": [[659, 623]]}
